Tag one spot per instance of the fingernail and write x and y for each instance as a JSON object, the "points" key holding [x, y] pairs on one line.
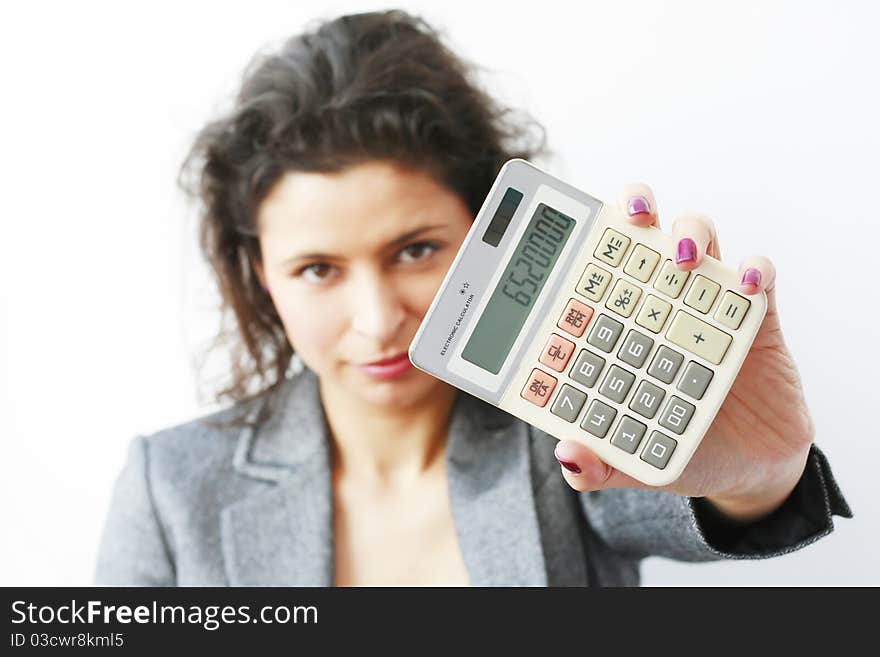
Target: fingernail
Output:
{"points": [[637, 205], [568, 465], [751, 276], [687, 251]]}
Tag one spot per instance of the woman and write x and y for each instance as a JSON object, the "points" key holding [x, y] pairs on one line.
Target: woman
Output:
{"points": [[335, 197]]}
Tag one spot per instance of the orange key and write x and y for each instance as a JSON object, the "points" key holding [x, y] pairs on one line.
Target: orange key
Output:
{"points": [[556, 352], [539, 387], [575, 318]]}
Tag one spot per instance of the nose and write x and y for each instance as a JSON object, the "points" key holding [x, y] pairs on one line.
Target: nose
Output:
{"points": [[378, 310]]}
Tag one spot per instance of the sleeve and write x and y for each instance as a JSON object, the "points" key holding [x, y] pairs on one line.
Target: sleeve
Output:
{"points": [[133, 549], [658, 523]]}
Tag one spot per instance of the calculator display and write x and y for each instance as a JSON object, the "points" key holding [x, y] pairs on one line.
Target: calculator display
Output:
{"points": [[519, 287]]}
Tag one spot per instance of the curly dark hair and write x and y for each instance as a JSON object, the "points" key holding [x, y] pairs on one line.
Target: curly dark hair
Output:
{"points": [[360, 87]]}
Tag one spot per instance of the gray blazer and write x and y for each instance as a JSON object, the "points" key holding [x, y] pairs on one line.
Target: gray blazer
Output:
{"points": [[211, 503]]}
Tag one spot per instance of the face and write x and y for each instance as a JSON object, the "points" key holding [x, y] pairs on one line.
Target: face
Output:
{"points": [[352, 261]]}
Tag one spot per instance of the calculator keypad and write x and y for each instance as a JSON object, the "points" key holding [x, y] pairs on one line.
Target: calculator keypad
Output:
{"points": [[665, 364], [569, 403], [647, 399], [612, 247], [635, 349], [641, 263], [557, 352], [702, 293], [593, 283], [605, 333], [677, 415], [698, 337], [575, 318], [628, 434], [586, 368], [670, 281], [539, 387], [598, 418], [624, 298], [622, 343], [732, 310], [653, 314], [616, 384], [658, 450], [695, 380]]}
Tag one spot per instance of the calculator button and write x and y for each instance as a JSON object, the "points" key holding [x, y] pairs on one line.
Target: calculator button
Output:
{"points": [[658, 450], [702, 294], [598, 418], [732, 310], [569, 403], [635, 349], [653, 314], [594, 281], [616, 384], [539, 387], [557, 352], [586, 368], [695, 380], [698, 337], [647, 399], [623, 298], [641, 263], [665, 364], [612, 247], [575, 318], [670, 281], [628, 434], [676, 415], [605, 333]]}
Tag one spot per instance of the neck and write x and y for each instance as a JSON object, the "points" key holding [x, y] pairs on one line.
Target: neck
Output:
{"points": [[387, 445]]}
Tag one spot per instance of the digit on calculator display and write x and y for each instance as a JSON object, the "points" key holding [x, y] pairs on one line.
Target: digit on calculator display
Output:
{"points": [[519, 286]]}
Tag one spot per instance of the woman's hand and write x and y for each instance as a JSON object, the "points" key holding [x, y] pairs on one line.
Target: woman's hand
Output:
{"points": [[756, 449]]}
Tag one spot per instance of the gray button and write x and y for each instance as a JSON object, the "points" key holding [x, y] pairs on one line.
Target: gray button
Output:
{"points": [[616, 383], [665, 364], [647, 399], [628, 434], [658, 450], [676, 415], [695, 380], [598, 418], [569, 403], [586, 368], [635, 349], [605, 333]]}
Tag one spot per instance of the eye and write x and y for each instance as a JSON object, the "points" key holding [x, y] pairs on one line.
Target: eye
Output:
{"points": [[418, 251], [317, 272]]}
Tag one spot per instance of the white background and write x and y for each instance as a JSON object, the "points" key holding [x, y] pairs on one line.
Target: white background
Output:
{"points": [[762, 114]]}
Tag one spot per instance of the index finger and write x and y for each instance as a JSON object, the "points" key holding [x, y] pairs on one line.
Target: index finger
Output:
{"points": [[637, 202]]}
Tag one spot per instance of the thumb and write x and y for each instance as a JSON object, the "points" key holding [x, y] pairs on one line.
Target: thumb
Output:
{"points": [[584, 471]]}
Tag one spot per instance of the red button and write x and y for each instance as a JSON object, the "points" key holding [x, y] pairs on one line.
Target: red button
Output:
{"points": [[539, 387]]}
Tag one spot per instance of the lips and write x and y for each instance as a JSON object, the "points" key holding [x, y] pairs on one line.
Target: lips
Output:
{"points": [[389, 361], [388, 368]]}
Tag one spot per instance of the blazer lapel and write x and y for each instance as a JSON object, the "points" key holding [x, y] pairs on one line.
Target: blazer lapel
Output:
{"points": [[489, 472], [282, 535]]}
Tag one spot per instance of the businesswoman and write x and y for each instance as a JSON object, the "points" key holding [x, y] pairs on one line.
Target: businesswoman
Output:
{"points": [[334, 197]]}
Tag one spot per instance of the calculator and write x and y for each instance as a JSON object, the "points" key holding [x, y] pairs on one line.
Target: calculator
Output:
{"points": [[559, 311]]}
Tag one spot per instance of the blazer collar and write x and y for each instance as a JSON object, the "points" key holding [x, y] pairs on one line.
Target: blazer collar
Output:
{"points": [[282, 535]]}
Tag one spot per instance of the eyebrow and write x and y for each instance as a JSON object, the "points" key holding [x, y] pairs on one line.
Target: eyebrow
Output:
{"points": [[397, 241]]}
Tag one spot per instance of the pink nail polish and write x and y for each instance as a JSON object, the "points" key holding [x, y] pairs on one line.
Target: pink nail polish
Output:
{"points": [[571, 467], [751, 276], [687, 251], [637, 205]]}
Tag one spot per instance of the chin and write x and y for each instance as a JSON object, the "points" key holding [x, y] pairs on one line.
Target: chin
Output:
{"points": [[412, 388]]}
